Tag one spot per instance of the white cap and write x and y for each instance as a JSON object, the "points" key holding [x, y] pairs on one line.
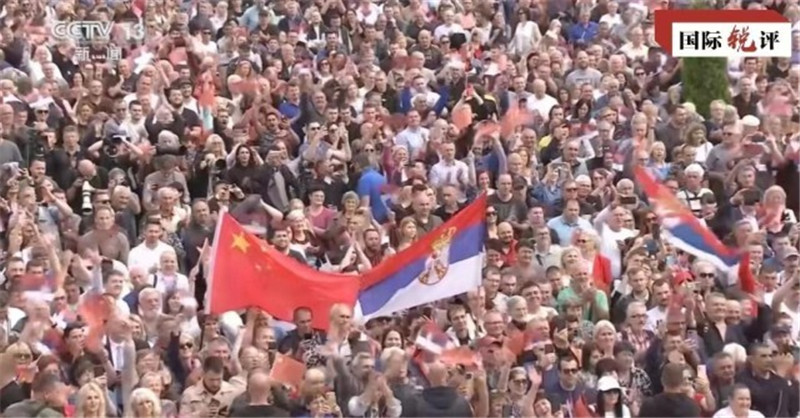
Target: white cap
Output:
{"points": [[751, 121], [606, 383]]}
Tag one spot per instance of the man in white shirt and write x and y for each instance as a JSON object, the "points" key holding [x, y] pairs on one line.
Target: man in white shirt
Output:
{"points": [[636, 48], [540, 102], [662, 294], [414, 137], [449, 171], [694, 191], [609, 223], [168, 279], [147, 254], [448, 26]]}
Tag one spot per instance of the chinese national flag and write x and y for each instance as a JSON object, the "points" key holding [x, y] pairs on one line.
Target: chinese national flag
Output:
{"points": [[246, 272]]}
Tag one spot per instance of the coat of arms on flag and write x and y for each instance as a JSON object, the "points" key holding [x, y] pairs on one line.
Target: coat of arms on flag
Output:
{"points": [[438, 263]]}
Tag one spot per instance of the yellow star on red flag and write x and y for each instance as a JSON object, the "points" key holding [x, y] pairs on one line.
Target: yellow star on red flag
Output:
{"points": [[240, 243]]}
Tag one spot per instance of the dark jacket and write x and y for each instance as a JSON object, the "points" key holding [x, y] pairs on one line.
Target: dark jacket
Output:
{"points": [[773, 396], [742, 334], [438, 402], [669, 405]]}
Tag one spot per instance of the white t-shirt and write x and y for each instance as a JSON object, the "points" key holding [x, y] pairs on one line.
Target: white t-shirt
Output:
{"points": [[655, 317], [609, 248], [146, 257], [727, 412]]}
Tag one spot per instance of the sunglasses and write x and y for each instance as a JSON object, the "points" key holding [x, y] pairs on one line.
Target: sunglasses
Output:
{"points": [[570, 371], [491, 213], [707, 275]]}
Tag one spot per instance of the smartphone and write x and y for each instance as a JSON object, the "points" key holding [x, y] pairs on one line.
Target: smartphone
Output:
{"points": [[469, 89], [651, 246], [701, 370], [655, 230], [627, 200]]}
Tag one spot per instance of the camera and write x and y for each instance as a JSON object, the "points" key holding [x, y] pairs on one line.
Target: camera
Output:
{"points": [[217, 167], [37, 145], [111, 145], [86, 198]]}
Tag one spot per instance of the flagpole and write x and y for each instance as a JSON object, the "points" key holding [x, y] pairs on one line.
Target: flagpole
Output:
{"points": [[210, 273]]}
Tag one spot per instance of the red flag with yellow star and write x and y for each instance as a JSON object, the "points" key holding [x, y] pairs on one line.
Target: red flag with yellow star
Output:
{"points": [[247, 272]]}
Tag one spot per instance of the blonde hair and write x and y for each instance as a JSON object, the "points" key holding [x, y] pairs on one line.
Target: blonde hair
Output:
{"points": [[139, 395], [775, 190], [83, 394], [603, 324]]}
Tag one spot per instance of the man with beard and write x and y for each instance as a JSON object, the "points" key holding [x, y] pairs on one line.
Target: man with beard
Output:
{"points": [[281, 240]]}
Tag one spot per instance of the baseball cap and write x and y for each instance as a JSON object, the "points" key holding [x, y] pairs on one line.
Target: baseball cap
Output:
{"points": [[488, 341], [790, 252], [606, 383], [751, 121]]}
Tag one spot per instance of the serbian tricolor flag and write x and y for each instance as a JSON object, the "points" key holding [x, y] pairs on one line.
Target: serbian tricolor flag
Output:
{"points": [[444, 263], [247, 272], [432, 339], [683, 229]]}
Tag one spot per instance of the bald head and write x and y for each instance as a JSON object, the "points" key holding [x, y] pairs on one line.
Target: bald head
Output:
{"points": [[437, 374], [259, 386]]}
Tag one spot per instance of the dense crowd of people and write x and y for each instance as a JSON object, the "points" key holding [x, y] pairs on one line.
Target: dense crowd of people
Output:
{"points": [[342, 131]]}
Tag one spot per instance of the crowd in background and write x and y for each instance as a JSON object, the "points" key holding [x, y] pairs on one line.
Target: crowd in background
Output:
{"points": [[342, 131]]}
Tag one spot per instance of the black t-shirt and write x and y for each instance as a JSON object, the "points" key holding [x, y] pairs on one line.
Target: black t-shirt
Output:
{"points": [[261, 411], [669, 405]]}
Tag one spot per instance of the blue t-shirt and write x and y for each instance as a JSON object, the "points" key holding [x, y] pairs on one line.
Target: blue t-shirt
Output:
{"points": [[371, 184]]}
